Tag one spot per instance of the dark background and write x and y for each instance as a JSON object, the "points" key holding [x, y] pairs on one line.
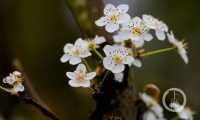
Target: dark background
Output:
{"points": [[35, 32]]}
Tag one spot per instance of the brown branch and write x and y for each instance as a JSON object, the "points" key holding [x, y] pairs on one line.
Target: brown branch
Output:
{"points": [[116, 100], [30, 101]]}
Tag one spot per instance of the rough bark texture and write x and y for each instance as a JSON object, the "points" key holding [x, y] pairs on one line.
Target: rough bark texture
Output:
{"points": [[116, 100]]}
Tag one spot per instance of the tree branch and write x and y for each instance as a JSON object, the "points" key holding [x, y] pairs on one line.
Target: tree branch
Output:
{"points": [[30, 101]]}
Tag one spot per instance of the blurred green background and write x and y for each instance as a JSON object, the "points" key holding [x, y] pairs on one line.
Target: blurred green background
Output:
{"points": [[35, 32]]}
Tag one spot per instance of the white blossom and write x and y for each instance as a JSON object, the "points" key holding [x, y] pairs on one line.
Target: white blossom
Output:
{"points": [[136, 30], [94, 43], [186, 114], [79, 78], [116, 57], [181, 50], [75, 52], [15, 79], [159, 26], [153, 105], [113, 17]]}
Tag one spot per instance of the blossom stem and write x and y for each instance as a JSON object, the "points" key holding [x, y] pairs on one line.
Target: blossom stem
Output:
{"points": [[4, 89], [87, 65], [108, 71], [99, 54], [158, 51]]}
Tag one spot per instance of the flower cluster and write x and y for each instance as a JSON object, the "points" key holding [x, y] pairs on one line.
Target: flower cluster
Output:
{"points": [[136, 30], [15, 79], [131, 36]]}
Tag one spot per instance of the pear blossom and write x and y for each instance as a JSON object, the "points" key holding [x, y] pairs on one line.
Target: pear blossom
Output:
{"points": [[159, 26], [135, 30], [186, 114], [116, 57], [75, 52], [118, 39], [181, 50], [153, 105], [15, 79], [94, 43], [79, 78], [113, 17]]}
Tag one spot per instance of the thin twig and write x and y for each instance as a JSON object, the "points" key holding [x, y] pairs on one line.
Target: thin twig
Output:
{"points": [[18, 66], [30, 101]]}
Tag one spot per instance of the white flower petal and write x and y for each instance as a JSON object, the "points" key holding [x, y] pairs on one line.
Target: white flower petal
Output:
{"points": [[160, 34], [162, 26], [85, 84], [108, 8], [151, 26], [79, 41], [127, 60], [90, 76], [99, 40], [124, 18], [67, 47], [136, 20], [148, 37], [117, 38], [16, 73], [74, 60], [149, 116], [134, 37], [71, 75], [101, 22], [122, 8], [171, 38], [184, 57], [119, 77], [18, 87], [118, 68], [124, 34], [73, 83], [111, 27], [138, 43], [108, 50], [158, 110], [81, 67], [145, 18], [9, 80], [137, 63], [85, 54], [65, 58], [108, 63]]}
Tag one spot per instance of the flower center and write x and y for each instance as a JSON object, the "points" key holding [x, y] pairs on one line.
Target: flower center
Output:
{"points": [[117, 59], [113, 17], [91, 44], [80, 78], [137, 30], [76, 52]]}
